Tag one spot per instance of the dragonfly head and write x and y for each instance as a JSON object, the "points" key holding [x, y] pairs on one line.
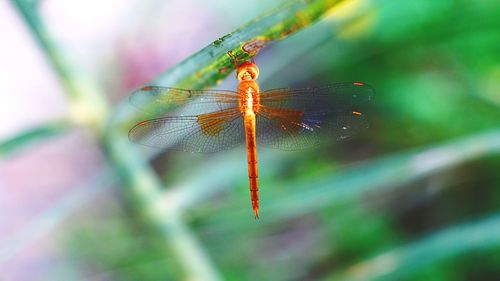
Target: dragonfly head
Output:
{"points": [[247, 71]]}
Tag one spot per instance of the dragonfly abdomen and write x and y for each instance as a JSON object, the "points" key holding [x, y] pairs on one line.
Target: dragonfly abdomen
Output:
{"points": [[253, 173]]}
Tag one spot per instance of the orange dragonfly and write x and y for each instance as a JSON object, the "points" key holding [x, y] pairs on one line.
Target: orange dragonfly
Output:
{"points": [[215, 120]]}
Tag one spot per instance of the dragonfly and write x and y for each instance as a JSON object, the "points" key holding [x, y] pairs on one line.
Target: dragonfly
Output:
{"points": [[216, 120]]}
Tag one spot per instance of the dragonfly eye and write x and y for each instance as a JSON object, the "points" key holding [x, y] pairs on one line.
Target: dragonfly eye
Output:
{"points": [[247, 71]]}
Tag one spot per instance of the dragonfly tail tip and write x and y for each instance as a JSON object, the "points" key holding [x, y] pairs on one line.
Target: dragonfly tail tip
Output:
{"points": [[256, 213]]}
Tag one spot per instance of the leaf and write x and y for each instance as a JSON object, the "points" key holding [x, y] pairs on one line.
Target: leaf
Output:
{"points": [[216, 61], [400, 262], [29, 138], [387, 172]]}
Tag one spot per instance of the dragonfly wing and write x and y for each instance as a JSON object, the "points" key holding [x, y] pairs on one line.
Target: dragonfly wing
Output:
{"points": [[208, 121], [292, 119], [159, 101], [204, 133]]}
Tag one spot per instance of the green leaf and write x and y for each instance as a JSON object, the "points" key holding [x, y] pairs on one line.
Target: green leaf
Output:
{"points": [[32, 136], [400, 262], [216, 61]]}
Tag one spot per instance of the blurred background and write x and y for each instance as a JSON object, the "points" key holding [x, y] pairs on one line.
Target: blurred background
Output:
{"points": [[414, 197]]}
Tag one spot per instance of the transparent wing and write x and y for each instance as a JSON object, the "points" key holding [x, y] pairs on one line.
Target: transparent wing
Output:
{"points": [[203, 133], [292, 119], [210, 122], [160, 100]]}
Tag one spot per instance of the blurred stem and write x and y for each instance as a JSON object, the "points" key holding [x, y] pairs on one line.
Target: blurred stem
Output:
{"points": [[187, 248], [29, 11], [146, 188], [89, 108], [88, 104], [396, 264], [33, 135]]}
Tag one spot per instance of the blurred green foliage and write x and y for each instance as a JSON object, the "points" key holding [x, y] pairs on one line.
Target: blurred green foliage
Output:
{"points": [[424, 207]]}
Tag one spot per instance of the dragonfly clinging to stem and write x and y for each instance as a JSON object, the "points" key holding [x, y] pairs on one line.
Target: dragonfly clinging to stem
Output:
{"points": [[215, 120]]}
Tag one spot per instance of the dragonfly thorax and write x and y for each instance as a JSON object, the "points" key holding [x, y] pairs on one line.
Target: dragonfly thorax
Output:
{"points": [[248, 92]]}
